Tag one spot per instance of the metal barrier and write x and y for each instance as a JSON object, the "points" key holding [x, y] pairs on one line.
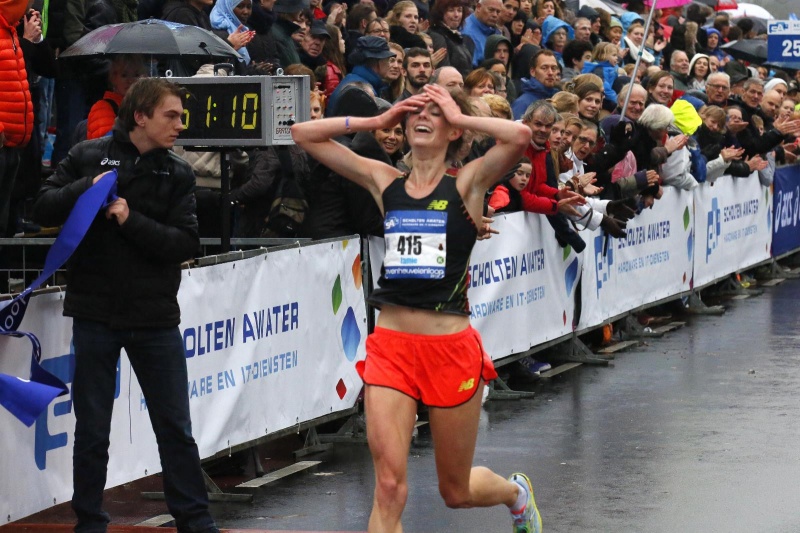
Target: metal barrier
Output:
{"points": [[22, 258]]}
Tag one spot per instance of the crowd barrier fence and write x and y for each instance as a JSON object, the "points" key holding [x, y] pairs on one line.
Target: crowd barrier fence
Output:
{"points": [[272, 338]]}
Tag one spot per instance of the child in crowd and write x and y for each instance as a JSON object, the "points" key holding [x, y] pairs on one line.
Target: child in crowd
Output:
{"points": [[766, 175], [506, 197], [604, 64]]}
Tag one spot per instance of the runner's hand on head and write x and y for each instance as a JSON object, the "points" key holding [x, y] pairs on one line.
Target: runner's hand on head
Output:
{"points": [[442, 98], [392, 116]]}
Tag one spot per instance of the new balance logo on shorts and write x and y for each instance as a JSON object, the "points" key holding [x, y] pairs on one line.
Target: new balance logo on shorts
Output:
{"points": [[467, 385]]}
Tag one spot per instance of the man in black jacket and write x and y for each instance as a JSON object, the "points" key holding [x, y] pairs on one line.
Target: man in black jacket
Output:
{"points": [[122, 286], [753, 142]]}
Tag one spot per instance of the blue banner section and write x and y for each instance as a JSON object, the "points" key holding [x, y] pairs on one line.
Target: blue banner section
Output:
{"points": [[26, 399], [783, 41], [786, 233]]}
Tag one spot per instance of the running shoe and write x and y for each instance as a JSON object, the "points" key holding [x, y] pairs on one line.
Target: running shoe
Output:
{"points": [[529, 521], [540, 366]]}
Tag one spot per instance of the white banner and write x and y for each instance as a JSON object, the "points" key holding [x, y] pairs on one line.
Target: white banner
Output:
{"points": [[271, 342], [521, 284], [733, 226], [654, 261]]}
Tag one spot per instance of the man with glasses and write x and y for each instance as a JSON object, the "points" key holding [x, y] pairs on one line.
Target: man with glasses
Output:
{"points": [[611, 215], [718, 89], [753, 142]]}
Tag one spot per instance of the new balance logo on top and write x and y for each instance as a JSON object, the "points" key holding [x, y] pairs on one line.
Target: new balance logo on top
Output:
{"points": [[438, 205]]}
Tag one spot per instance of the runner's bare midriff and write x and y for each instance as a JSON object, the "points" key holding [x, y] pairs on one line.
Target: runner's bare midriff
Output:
{"points": [[420, 321]]}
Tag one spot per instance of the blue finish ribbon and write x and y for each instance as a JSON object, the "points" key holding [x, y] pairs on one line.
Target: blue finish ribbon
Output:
{"points": [[26, 399]]}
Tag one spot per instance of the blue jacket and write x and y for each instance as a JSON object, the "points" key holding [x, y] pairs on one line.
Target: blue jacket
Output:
{"points": [[478, 32], [532, 90], [608, 74], [360, 73], [551, 24]]}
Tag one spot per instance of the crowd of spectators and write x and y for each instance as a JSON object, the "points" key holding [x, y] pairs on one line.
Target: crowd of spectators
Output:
{"points": [[693, 112]]}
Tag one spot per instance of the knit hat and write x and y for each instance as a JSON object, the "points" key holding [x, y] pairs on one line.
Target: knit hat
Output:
{"points": [[774, 82], [694, 60]]}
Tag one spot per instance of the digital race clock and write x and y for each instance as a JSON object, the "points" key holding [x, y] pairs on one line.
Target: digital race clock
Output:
{"points": [[242, 111]]}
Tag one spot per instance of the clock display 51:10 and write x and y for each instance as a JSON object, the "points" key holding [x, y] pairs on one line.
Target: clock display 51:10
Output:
{"points": [[222, 112]]}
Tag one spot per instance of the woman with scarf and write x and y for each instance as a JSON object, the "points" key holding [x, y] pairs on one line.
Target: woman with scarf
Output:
{"points": [[403, 22], [259, 53], [634, 41]]}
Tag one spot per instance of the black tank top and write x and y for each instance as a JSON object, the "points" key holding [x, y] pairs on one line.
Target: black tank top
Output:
{"points": [[428, 244]]}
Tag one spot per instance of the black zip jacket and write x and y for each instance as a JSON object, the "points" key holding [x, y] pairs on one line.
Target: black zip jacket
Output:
{"points": [[126, 276]]}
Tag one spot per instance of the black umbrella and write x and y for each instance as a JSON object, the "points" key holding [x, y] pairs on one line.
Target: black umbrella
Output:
{"points": [[783, 65], [754, 50], [151, 37], [759, 24]]}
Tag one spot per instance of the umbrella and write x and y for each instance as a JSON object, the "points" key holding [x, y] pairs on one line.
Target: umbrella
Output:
{"points": [[754, 50], [719, 5], [151, 37], [609, 5], [750, 11], [668, 4], [759, 24], [783, 65]]}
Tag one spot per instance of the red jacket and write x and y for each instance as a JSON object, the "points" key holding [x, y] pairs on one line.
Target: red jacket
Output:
{"points": [[538, 196], [102, 116], [333, 76], [16, 107]]}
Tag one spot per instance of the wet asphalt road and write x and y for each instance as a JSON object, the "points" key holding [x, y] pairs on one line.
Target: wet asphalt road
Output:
{"points": [[677, 435]]}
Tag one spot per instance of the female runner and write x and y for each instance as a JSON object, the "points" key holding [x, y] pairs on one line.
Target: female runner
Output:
{"points": [[423, 347]]}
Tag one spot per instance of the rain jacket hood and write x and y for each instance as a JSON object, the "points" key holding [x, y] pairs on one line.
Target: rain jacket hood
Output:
{"points": [[551, 24]]}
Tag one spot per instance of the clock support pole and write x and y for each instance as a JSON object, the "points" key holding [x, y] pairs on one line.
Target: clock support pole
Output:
{"points": [[225, 201]]}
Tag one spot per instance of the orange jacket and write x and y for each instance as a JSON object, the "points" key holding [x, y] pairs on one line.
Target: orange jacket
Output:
{"points": [[102, 116], [16, 107]]}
